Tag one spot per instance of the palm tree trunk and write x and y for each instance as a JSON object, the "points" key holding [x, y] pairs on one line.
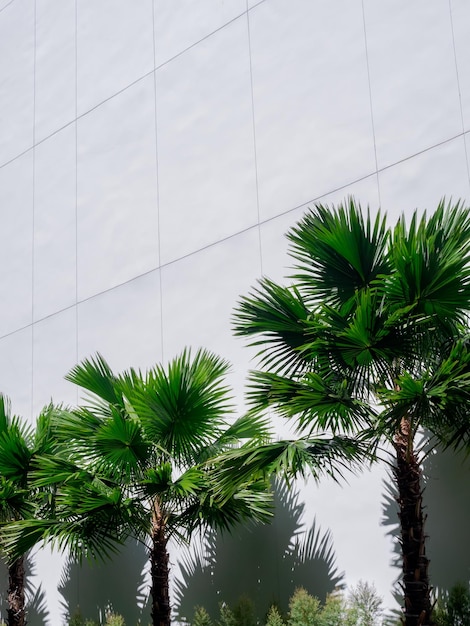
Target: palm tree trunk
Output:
{"points": [[16, 609], [415, 582], [161, 611]]}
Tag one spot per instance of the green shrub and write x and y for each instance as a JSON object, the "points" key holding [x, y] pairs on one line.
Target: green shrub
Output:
{"points": [[114, 619], [335, 611], [454, 610], [201, 617], [274, 618], [77, 619], [304, 609], [226, 615], [366, 603], [244, 612]]}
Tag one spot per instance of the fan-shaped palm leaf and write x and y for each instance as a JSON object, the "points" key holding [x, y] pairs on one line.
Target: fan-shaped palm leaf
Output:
{"points": [[183, 409], [431, 263], [339, 252], [279, 316]]}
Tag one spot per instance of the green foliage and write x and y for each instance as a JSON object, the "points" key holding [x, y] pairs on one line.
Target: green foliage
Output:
{"points": [[201, 617], [363, 607], [304, 609], [114, 619], [226, 615], [77, 619], [244, 612], [454, 610], [274, 618], [364, 601], [335, 612]]}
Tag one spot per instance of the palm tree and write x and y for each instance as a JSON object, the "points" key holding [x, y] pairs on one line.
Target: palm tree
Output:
{"points": [[370, 341], [135, 462], [19, 445]]}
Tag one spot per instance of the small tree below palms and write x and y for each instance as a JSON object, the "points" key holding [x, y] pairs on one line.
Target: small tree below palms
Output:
{"points": [[454, 609], [274, 618], [304, 609], [366, 604]]}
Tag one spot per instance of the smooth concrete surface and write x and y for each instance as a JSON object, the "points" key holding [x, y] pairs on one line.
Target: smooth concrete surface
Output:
{"points": [[152, 156]]}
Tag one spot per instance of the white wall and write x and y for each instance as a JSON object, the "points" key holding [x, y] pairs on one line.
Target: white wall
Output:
{"points": [[153, 153]]}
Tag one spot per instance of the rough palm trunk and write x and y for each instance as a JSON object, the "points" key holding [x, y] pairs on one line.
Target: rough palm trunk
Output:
{"points": [[16, 609], [161, 611], [415, 582]]}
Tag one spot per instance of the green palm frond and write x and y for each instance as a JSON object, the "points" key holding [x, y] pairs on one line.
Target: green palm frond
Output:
{"points": [[15, 453], [15, 503], [184, 407], [317, 456], [252, 429], [437, 399], [90, 520], [19, 537], [52, 470], [96, 376], [45, 436], [158, 480], [75, 536], [368, 338], [189, 483], [112, 440], [80, 425], [251, 504], [277, 317], [120, 446], [431, 263], [339, 252], [174, 495], [5, 413], [318, 401]]}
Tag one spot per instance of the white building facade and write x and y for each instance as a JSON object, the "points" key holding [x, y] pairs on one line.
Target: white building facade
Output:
{"points": [[154, 152]]}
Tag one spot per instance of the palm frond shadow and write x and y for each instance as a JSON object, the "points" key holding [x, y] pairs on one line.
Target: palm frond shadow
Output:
{"points": [[447, 497], [35, 597], [120, 585], [390, 521], [36, 601], [266, 563]]}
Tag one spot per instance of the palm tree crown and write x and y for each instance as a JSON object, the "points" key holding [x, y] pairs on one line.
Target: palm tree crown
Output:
{"points": [[371, 341], [135, 462], [20, 446]]}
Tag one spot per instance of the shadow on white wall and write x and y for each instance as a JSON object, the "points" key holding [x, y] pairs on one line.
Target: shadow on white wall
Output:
{"points": [[446, 497], [264, 563]]}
